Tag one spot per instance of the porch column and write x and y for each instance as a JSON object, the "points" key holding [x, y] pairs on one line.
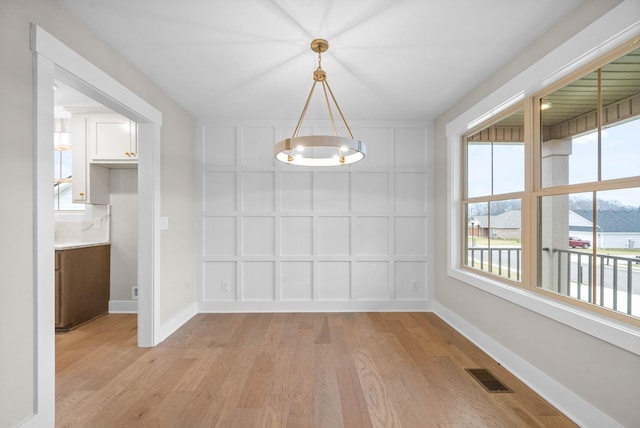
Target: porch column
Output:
{"points": [[555, 212]]}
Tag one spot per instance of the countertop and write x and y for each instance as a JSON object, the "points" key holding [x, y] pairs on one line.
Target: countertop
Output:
{"points": [[72, 245]]}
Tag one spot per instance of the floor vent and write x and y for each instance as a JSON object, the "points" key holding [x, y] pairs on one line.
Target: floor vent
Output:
{"points": [[488, 380]]}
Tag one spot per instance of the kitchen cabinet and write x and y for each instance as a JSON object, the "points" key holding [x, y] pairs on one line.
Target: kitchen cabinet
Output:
{"points": [[112, 140], [82, 281], [90, 183]]}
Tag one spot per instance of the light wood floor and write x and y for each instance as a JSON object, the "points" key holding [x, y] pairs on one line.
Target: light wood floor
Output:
{"points": [[286, 370]]}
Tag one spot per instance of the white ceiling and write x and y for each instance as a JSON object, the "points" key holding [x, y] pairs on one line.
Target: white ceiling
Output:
{"points": [[250, 59]]}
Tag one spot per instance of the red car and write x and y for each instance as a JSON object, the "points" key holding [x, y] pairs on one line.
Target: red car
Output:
{"points": [[578, 243]]}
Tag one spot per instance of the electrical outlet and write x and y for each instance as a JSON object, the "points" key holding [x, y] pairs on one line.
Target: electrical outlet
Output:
{"points": [[164, 223], [414, 285], [134, 292], [224, 286]]}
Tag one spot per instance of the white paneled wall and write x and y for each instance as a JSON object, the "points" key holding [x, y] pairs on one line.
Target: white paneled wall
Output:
{"points": [[277, 237]]}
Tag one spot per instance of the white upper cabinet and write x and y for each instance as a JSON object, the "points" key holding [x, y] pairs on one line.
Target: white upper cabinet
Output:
{"points": [[112, 139], [90, 184]]}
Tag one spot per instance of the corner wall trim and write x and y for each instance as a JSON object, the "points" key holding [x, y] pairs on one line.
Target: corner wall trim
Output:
{"points": [[577, 409]]}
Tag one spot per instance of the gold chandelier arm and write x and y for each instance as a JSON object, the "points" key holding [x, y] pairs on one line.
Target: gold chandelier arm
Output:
{"points": [[339, 110], [326, 98], [304, 111]]}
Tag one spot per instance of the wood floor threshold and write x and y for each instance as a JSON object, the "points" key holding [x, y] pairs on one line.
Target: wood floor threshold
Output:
{"points": [[286, 370]]}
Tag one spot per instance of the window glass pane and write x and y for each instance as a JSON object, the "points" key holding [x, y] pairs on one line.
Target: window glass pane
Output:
{"points": [[57, 164], [617, 220], [477, 241], [566, 231], [478, 169], [508, 168], [493, 237], [505, 221], [621, 150], [495, 158], [620, 109], [569, 133], [591, 256], [65, 164]]}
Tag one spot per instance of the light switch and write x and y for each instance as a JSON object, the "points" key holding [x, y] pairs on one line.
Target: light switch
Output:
{"points": [[164, 223]]}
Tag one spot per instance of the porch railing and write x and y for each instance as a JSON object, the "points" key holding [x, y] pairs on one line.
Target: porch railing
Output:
{"points": [[617, 278]]}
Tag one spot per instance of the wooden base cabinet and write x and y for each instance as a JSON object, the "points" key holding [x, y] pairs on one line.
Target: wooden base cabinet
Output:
{"points": [[82, 285]]}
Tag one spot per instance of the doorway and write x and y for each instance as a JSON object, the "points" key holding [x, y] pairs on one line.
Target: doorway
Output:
{"points": [[95, 202], [56, 61]]}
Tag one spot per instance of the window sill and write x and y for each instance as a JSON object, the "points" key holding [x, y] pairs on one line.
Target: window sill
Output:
{"points": [[617, 333]]}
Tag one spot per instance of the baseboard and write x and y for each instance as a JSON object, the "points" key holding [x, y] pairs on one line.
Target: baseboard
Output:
{"points": [[123, 306], [177, 321], [317, 306], [577, 409]]}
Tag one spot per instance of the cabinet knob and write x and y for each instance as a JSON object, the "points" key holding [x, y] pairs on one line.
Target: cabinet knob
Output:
{"points": [[133, 153], [127, 153], [81, 194]]}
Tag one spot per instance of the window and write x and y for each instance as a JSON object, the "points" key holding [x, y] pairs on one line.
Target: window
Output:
{"points": [[577, 219], [588, 193], [62, 165], [493, 191]]}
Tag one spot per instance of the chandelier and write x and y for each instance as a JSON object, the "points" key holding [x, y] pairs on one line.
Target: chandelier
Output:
{"points": [[320, 150]]}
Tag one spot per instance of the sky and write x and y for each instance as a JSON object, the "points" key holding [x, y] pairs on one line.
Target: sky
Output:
{"points": [[620, 159]]}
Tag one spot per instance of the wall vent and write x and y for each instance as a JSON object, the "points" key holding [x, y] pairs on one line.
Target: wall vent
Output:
{"points": [[488, 380]]}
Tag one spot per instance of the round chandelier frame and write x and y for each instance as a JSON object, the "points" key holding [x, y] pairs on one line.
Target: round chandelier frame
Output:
{"points": [[320, 150]]}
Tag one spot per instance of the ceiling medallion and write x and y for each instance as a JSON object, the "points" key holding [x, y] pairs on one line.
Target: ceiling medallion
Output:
{"points": [[320, 150]]}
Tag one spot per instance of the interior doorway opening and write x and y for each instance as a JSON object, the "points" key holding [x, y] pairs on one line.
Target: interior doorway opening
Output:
{"points": [[53, 60], [95, 205]]}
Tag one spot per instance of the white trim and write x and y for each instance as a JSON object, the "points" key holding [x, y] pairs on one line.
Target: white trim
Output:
{"points": [[105, 89], [573, 406], [44, 314], [612, 30], [177, 321], [317, 306], [53, 59], [148, 234], [123, 306]]}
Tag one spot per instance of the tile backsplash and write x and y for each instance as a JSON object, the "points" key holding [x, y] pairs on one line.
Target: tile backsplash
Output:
{"points": [[90, 226]]}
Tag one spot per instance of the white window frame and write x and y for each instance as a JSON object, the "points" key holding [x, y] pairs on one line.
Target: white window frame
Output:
{"points": [[584, 48]]}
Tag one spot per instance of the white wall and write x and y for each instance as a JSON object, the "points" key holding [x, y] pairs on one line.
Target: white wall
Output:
{"points": [[304, 239], [124, 233], [16, 227], [17, 282], [573, 360]]}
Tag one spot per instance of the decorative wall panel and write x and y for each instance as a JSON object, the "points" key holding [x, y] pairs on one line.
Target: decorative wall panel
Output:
{"points": [[337, 238], [296, 236], [220, 191], [371, 237], [258, 281], [220, 281], [220, 236]]}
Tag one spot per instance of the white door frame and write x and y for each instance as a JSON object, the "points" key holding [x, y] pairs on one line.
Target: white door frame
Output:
{"points": [[54, 60]]}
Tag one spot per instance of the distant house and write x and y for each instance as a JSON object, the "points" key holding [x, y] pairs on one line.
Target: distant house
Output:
{"points": [[503, 226], [614, 228]]}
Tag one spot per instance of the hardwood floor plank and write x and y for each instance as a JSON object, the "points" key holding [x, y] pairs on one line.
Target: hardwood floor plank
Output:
{"points": [[380, 406], [258, 381], [286, 370], [355, 412]]}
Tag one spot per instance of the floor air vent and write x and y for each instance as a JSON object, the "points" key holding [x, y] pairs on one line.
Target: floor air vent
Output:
{"points": [[488, 380]]}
